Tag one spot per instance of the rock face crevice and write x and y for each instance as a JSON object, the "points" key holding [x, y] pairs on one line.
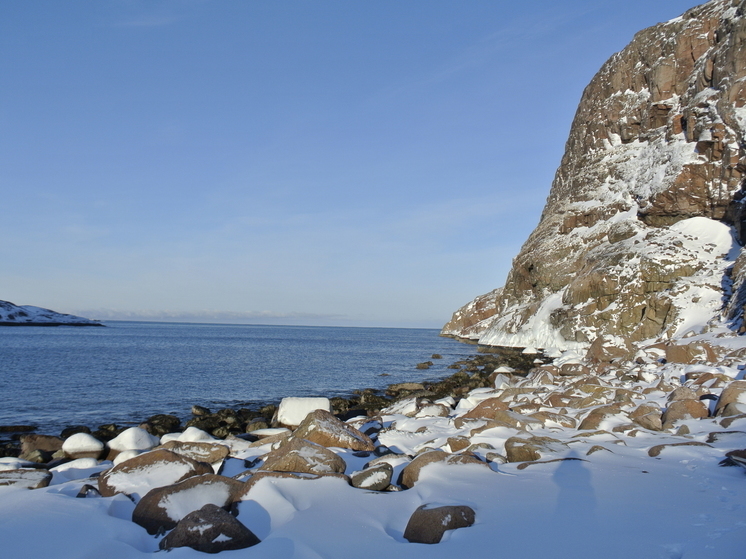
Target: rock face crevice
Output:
{"points": [[638, 233]]}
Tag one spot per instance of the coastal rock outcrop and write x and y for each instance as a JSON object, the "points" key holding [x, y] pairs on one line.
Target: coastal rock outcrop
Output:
{"points": [[646, 213]]}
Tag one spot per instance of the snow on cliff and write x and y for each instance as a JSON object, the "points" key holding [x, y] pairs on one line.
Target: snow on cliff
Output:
{"points": [[646, 214]]}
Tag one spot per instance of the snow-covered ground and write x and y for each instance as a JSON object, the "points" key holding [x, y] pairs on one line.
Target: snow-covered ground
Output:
{"points": [[29, 315], [600, 490]]}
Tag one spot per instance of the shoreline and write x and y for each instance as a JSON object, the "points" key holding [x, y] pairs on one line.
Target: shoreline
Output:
{"points": [[469, 373]]}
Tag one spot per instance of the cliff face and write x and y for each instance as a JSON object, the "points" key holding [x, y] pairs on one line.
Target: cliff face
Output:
{"points": [[645, 214]]}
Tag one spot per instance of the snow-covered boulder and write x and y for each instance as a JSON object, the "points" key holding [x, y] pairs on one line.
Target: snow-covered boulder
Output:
{"points": [[133, 438], [82, 445], [163, 507], [293, 410], [158, 468]]}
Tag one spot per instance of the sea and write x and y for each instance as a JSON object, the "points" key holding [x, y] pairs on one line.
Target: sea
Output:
{"points": [[54, 377]]}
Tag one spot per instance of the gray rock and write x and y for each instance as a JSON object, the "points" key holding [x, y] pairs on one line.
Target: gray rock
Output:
{"points": [[163, 507], [375, 478], [427, 525], [30, 479], [210, 530]]}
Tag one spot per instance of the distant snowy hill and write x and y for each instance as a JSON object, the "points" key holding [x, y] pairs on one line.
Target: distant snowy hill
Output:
{"points": [[27, 315]]}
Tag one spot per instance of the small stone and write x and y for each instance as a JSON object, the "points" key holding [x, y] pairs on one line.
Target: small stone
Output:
{"points": [[375, 478], [427, 525]]}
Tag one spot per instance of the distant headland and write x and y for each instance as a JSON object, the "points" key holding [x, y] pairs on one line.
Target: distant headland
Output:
{"points": [[27, 315]]}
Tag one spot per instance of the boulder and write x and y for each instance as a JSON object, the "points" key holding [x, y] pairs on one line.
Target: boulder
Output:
{"points": [[682, 393], [199, 451], [525, 449], [293, 411], [209, 530], [161, 508], [411, 473], [299, 455], [427, 525], [734, 393], [45, 443], [683, 409], [30, 479], [375, 478], [83, 445], [485, 409], [696, 352], [158, 468], [321, 427], [594, 419], [133, 438]]}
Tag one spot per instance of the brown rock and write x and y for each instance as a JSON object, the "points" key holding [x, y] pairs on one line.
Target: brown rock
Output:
{"points": [[427, 525], [657, 449], [683, 409], [210, 530], [299, 455], [321, 427], [161, 508], [147, 471], [683, 393], [484, 410], [734, 393], [524, 449], [573, 370], [458, 443], [46, 443], [594, 419], [697, 352], [199, 451], [411, 472]]}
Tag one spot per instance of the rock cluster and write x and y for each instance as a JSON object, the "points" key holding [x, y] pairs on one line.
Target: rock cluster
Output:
{"points": [[187, 484]]}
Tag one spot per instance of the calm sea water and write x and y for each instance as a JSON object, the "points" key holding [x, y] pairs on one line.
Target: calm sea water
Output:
{"points": [[54, 377]]}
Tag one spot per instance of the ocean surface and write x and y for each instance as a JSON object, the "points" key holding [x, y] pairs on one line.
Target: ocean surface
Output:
{"points": [[53, 377]]}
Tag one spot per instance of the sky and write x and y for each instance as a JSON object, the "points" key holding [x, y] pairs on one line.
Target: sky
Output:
{"points": [[307, 162]]}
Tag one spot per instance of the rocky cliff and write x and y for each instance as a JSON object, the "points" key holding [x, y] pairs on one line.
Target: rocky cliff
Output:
{"points": [[647, 210]]}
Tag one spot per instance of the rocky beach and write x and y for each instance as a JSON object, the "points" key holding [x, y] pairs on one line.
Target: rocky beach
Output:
{"points": [[604, 415], [451, 457]]}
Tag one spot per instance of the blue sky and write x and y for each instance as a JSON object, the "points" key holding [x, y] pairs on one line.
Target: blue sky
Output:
{"points": [[348, 163]]}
